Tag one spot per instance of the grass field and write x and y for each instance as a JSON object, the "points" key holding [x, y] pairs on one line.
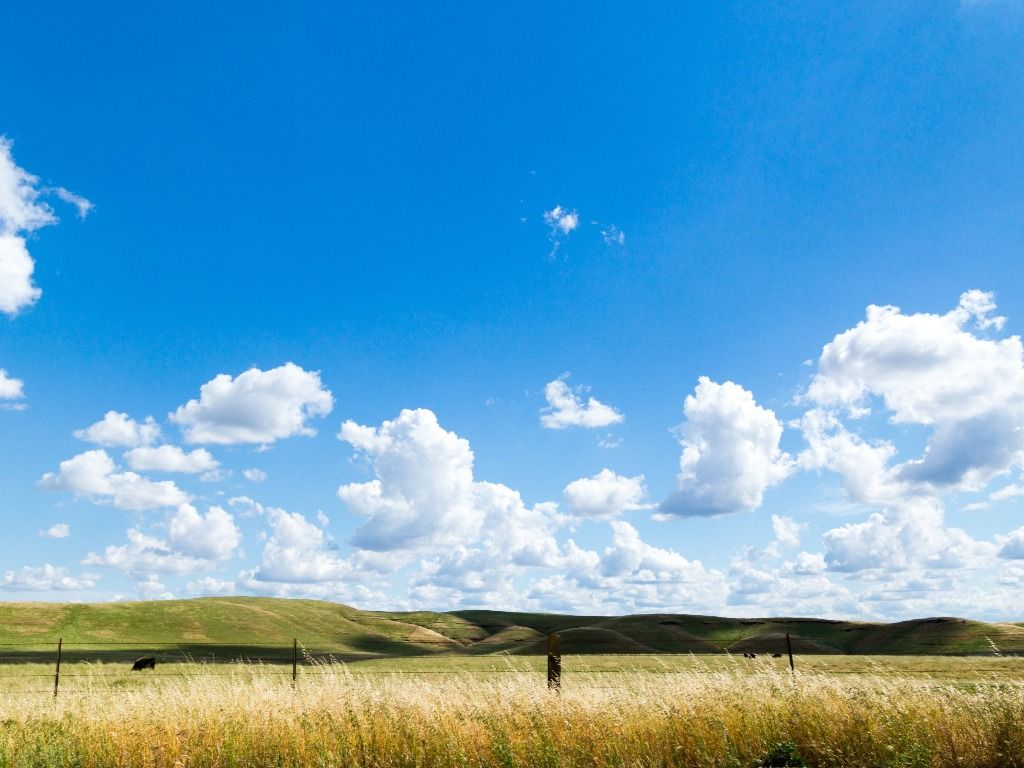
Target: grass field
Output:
{"points": [[483, 711], [266, 626], [468, 689]]}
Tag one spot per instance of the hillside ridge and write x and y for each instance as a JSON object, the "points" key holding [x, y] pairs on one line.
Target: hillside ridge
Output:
{"points": [[259, 625]]}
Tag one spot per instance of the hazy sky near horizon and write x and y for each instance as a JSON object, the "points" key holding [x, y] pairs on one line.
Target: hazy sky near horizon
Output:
{"points": [[710, 308]]}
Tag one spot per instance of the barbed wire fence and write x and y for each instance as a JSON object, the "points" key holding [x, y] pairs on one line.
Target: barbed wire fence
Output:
{"points": [[262, 659]]}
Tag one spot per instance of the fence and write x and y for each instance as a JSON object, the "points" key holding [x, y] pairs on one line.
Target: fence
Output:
{"points": [[269, 660]]}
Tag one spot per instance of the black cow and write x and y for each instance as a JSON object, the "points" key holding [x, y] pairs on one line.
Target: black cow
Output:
{"points": [[776, 655], [149, 662]]}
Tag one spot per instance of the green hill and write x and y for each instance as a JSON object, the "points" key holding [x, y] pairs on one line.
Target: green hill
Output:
{"points": [[263, 628]]}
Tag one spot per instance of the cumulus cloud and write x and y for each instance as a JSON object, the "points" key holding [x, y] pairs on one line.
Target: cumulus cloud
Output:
{"points": [[254, 475], [298, 552], [45, 578], [561, 220], [939, 371], [11, 389], [424, 494], [630, 576], [17, 291], [94, 474], [171, 458], [211, 587], [1012, 546], [561, 223], [151, 588], [731, 453], [566, 408], [255, 407], [194, 542], [56, 531], [118, 430], [605, 495], [22, 211], [213, 536], [910, 536], [787, 531]]}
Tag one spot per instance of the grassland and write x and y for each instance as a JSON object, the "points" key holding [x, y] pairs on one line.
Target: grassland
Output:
{"points": [[228, 628], [714, 711], [467, 689]]}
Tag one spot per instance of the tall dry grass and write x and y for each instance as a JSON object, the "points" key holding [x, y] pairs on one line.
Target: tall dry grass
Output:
{"points": [[695, 718]]}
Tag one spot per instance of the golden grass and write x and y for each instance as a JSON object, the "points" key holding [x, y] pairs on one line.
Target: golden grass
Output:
{"points": [[249, 715]]}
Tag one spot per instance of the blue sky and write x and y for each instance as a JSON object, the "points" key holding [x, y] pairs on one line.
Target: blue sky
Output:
{"points": [[583, 290]]}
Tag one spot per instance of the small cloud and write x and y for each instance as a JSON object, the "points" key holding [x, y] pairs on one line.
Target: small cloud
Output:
{"points": [[84, 206], [609, 441], [561, 222], [562, 219], [566, 408], [56, 531], [612, 235], [254, 475], [10, 388]]}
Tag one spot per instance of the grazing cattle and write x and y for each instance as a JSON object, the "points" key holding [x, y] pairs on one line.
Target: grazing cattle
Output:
{"points": [[149, 662], [776, 655], [749, 655]]}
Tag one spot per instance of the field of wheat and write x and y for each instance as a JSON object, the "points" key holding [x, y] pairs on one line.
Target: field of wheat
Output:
{"points": [[696, 714]]}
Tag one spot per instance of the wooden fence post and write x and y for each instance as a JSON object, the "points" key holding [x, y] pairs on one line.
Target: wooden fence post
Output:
{"points": [[789, 650], [56, 676], [295, 659], [554, 664]]}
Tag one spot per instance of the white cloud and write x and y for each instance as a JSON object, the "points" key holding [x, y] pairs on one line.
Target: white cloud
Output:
{"points": [[424, 495], [936, 371], [297, 552], [84, 206], [56, 531], [561, 220], [731, 453], [787, 531], [806, 564], [911, 536], [94, 475], [22, 212], [256, 407], [566, 408], [254, 475], [45, 578], [118, 430], [16, 267], [631, 576], [1007, 492], [11, 389], [863, 466], [151, 588], [605, 495], [1012, 545], [171, 458], [194, 542], [612, 235], [211, 587], [561, 223], [211, 537]]}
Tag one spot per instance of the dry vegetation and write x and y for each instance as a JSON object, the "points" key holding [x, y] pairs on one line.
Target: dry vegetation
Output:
{"points": [[728, 713]]}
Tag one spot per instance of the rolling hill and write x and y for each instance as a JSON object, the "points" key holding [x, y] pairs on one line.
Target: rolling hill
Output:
{"points": [[263, 628]]}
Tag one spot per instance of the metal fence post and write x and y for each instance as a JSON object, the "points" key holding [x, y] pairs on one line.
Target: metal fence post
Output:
{"points": [[56, 676], [554, 663], [789, 650], [295, 659]]}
